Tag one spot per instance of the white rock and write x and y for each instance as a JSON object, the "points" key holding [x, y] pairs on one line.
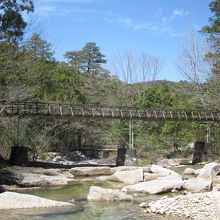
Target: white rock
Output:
{"points": [[159, 185], [173, 162], [189, 171], [162, 171], [128, 177], [198, 185], [12, 200], [99, 194], [150, 176], [210, 166], [143, 205], [214, 166], [124, 168], [207, 173], [91, 171]]}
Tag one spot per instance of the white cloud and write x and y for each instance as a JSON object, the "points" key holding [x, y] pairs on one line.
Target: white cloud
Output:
{"points": [[45, 9], [179, 12], [169, 18], [141, 26], [126, 21]]}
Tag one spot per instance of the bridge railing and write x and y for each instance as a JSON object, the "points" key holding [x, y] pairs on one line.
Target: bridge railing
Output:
{"points": [[54, 109]]}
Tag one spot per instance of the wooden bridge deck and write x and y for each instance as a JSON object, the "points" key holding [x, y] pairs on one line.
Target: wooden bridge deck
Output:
{"points": [[31, 109]]}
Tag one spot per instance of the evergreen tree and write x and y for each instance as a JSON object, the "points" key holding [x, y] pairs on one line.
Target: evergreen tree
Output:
{"points": [[39, 48], [87, 60], [74, 58], [213, 29], [92, 58], [12, 24]]}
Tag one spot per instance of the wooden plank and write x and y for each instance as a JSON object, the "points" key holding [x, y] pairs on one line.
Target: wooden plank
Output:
{"points": [[147, 113], [82, 111], [61, 110], [93, 114], [72, 111], [112, 112], [49, 109], [103, 114], [171, 115], [155, 113], [164, 116], [130, 114], [121, 113], [199, 115]]}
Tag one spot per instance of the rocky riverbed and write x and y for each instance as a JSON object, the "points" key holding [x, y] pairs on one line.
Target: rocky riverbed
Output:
{"points": [[196, 189]]}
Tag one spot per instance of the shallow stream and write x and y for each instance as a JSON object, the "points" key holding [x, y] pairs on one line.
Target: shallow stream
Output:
{"points": [[76, 192]]}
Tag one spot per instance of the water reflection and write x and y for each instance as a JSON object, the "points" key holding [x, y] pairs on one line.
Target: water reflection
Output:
{"points": [[76, 193]]}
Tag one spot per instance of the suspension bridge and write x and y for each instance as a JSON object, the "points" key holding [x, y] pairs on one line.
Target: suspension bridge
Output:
{"points": [[61, 110], [31, 109]]}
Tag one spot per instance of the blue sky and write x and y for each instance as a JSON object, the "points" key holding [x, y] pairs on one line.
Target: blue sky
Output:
{"points": [[141, 26]]}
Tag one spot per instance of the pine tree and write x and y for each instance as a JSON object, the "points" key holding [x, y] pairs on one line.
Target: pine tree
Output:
{"points": [[213, 30], [92, 58], [87, 60], [12, 24], [39, 48]]}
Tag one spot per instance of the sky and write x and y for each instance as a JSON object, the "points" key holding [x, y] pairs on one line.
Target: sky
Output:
{"points": [[154, 27]]}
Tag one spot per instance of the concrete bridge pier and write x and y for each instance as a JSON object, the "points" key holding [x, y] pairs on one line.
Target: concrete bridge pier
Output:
{"points": [[19, 156], [126, 157], [202, 152]]}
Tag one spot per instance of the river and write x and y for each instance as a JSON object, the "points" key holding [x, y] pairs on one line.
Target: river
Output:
{"points": [[77, 192]]}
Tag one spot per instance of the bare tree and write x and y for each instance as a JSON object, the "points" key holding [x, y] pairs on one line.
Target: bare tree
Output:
{"points": [[134, 71], [197, 70]]}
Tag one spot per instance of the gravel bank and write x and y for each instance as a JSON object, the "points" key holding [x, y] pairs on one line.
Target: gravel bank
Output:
{"points": [[198, 206]]}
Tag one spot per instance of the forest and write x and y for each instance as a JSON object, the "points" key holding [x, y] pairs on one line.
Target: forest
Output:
{"points": [[30, 72]]}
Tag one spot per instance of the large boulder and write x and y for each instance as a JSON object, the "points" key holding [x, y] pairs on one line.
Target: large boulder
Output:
{"points": [[150, 176], [124, 168], [128, 177], [12, 200], [29, 177], [99, 194], [162, 171], [173, 162], [189, 171], [196, 185], [91, 171], [159, 185], [209, 171], [214, 166]]}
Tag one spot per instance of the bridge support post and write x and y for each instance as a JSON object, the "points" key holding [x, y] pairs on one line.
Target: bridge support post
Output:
{"points": [[202, 152], [19, 156], [126, 157], [131, 134]]}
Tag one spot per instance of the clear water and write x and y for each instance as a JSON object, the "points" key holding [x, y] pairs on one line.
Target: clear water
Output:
{"points": [[77, 192]]}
